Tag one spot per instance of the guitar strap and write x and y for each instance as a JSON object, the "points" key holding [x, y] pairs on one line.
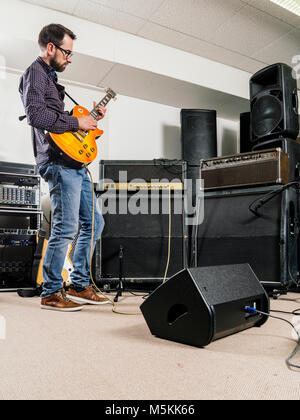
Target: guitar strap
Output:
{"points": [[23, 117], [71, 99]]}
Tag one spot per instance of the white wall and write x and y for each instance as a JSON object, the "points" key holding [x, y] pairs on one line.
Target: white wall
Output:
{"points": [[133, 129]]}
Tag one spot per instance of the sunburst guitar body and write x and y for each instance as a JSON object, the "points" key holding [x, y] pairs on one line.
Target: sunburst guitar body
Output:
{"points": [[80, 147]]}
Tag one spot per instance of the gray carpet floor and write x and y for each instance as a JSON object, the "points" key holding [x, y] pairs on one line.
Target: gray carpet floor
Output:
{"points": [[97, 354]]}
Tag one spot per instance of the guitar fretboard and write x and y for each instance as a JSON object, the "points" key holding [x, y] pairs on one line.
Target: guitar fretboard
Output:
{"points": [[94, 113]]}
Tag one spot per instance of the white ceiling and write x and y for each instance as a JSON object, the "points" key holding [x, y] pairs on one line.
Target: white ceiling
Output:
{"points": [[246, 34]]}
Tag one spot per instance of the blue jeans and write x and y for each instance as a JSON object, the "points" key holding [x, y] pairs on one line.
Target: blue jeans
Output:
{"points": [[71, 197]]}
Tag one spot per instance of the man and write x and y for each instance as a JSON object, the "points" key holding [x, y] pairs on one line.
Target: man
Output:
{"points": [[70, 187]]}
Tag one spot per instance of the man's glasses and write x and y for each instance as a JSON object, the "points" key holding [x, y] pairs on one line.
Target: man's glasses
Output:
{"points": [[67, 53]]}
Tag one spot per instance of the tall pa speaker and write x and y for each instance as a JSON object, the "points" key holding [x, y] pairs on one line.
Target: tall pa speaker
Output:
{"points": [[198, 135], [274, 103], [200, 305]]}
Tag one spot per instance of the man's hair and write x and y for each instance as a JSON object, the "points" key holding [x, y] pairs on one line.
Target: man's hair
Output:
{"points": [[54, 33]]}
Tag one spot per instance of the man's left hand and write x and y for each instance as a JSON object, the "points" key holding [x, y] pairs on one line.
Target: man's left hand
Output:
{"points": [[101, 111]]}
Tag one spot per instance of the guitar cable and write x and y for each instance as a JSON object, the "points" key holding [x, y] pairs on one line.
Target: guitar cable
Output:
{"points": [[91, 257], [170, 235], [91, 250]]}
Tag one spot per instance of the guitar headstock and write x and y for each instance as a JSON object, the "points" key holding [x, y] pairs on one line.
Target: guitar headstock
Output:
{"points": [[111, 93]]}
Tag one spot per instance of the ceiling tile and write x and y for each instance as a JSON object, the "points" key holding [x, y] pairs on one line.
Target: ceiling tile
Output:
{"points": [[196, 46], [281, 50], [199, 18], [98, 13], [249, 30], [61, 5], [275, 10], [133, 7]]}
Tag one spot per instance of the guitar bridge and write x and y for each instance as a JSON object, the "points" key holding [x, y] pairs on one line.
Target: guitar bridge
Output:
{"points": [[78, 138]]}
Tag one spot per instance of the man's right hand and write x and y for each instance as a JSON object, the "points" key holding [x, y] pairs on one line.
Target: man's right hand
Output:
{"points": [[87, 123]]}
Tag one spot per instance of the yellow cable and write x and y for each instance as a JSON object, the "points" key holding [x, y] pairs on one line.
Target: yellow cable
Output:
{"points": [[91, 256], [170, 235]]}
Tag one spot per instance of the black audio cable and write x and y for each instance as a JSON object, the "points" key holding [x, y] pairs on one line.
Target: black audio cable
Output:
{"points": [[269, 196], [251, 310]]}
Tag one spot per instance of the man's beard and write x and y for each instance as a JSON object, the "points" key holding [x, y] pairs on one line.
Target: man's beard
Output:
{"points": [[56, 66]]}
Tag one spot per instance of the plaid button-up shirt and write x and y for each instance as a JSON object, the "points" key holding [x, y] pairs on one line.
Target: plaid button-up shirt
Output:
{"points": [[43, 100]]}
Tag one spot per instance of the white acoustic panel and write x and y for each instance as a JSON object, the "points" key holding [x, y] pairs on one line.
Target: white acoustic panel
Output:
{"points": [[275, 10], [250, 30], [229, 32], [66, 6], [199, 18], [107, 16], [140, 8], [196, 46], [284, 50]]}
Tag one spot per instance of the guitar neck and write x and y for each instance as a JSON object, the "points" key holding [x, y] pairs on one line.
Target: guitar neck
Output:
{"points": [[94, 113]]}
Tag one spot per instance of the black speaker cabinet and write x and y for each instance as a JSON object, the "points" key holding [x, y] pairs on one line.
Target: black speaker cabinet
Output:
{"points": [[198, 135], [232, 234], [200, 305], [139, 239], [274, 103]]}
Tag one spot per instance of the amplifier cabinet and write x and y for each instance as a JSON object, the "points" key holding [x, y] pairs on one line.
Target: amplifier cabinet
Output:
{"points": [[232, 234], [17, 252], [139, 222], [265, 167]]}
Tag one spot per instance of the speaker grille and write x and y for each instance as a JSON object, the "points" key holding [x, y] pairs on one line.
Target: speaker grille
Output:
{"points": [[266, 115]]}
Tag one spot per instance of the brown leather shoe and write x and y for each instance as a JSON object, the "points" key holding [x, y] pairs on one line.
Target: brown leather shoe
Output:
{"points": [[59, 302], [87, 296]]}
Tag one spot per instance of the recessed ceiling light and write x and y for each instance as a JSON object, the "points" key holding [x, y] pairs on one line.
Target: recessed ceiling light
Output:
{"points": [[291, 5]]}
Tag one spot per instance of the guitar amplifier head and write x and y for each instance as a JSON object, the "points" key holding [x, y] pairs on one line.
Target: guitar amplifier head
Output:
{"points": [[265, 167]]}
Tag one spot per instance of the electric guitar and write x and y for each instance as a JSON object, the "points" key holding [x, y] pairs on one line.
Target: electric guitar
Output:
{"points": [[80, 147], [39, 260]]}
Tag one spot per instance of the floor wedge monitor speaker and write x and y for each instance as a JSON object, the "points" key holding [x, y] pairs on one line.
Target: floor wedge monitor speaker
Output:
{"points": [[200, 305]]}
